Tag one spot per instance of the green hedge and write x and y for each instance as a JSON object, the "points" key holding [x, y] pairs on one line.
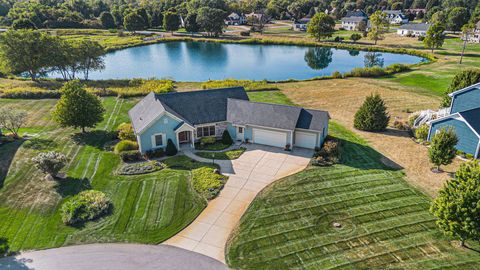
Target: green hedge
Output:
{"points": [[125, 145]]}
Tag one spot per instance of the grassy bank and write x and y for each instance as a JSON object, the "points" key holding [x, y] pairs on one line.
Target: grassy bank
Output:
{"points": [[385, 223]]}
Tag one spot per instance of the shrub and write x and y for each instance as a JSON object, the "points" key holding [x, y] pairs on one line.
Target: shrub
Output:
{"points": [[22, 93], [207, 182], [226, 138], [412, 118], [85, 206], [125, 145], [50, 163], [4, 248], [329, 154], [395, 68], [421, 133], [171, 149], [442, 150], [372, 115], [400, 125], [207, 140], [338, 39], [131, 156], [367, 72], [125, 132], [140, 168], [337, 75], [155, 153], [245, 33]]}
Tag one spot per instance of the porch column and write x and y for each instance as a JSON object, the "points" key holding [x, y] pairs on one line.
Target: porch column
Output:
{"points": [[193, 138]]}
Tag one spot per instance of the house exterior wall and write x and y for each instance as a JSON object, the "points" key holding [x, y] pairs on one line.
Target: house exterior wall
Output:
{"points": [[165, 125], [466, 101], [467, 139], [232, 131]]}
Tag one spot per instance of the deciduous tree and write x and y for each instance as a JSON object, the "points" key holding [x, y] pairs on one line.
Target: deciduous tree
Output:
{"points": [[50, 163], [435, 36], [134, 22], [457, 17], [321, 26], [171, 21], [191, 24], [108, 22], [211, 20], [12, 119], [78, 108], [442, 148], [457, 206], [379, 26]]}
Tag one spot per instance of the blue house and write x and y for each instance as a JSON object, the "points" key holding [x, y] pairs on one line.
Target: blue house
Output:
{"points": [[185, 117], [464, 118]]}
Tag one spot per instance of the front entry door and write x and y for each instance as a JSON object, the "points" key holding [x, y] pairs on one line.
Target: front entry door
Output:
{"points": [[240, 131], [184, 136]]}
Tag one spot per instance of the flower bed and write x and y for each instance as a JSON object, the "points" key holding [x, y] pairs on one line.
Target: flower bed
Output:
{"points": [[140, 168]]}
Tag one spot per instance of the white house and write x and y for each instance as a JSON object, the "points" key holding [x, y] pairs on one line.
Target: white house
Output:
{"points": [[301, 25], [352, 23], [396, 17], [235, 19], [413, 30], [475, 36]]}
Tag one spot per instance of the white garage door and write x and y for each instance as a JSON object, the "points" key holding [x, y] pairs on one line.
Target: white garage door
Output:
{"points": [[306, 140], [268, 137]]}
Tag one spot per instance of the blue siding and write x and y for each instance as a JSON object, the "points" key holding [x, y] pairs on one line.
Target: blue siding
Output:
{"points": [[467, 139], [466, 101], [232, 130], [159, 127], [248, 133]]}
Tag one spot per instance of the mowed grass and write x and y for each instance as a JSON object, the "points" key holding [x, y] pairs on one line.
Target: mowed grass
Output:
{"points": [[385, 222], [147, 208]]}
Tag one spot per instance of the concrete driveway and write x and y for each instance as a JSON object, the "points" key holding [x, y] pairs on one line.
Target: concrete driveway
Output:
{"points": [[111, 257], [248, 175]]}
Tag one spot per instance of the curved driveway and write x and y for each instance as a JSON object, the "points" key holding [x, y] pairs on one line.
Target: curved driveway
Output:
{"points": [[112, 256]]}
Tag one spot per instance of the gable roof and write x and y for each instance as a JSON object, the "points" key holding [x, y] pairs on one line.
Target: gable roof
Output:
{"points": [[195, 107], [472, 117], [353, 19], [415, 26], [466, 89], [242, 112], [356, 13]]}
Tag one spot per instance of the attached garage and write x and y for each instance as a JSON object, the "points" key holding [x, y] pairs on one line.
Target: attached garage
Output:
{"points": [[305, 139], [269, 137]]}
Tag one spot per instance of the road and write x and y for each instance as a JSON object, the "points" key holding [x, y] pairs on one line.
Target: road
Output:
{"points": [[110, 257]]}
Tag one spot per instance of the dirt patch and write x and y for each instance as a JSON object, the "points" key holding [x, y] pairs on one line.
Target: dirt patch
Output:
{"points": [[341, 98]]}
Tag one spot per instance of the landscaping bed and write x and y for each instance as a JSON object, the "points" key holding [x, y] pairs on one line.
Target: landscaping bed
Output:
{"points": [[217, 146], [225, 155], [140, 168]]}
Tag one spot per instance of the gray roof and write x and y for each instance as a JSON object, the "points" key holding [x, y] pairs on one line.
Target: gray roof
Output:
{"points": [[415, 26], [393, 12], [195, 107], [473, 118], [353, 19], [356, 13], [242, 112]]}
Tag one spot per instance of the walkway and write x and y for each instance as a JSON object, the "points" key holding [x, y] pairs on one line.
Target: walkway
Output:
{"points": [[111, 256], [255, 169]]}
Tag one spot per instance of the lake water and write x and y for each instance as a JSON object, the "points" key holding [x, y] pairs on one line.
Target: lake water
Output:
{"points": [[201, 61]]}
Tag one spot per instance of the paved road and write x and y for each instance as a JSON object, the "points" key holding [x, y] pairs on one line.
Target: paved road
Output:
{"points": [[112, 257]]}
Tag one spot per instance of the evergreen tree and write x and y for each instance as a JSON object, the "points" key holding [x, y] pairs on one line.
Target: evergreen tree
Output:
{"points": [[461, 80], [191, 24], [372, 115], [134, 22], [226, 138], [321, 26], [457, 206], [78, 108], [171, 150], [171, 21], [442, 149]]}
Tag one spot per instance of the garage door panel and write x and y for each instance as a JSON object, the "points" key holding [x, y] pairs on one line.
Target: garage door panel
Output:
{"points": [[268, 137], [305, 139]]}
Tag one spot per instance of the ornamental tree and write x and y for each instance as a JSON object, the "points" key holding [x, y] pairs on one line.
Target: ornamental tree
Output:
{"points": [[50, 163], [78, 108], [457, 206], [372, 115], [442, 149], [12, 120], [321, 26]]}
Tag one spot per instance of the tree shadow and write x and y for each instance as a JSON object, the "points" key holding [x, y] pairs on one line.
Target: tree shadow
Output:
{"points": [[364, 157], [95, 138], [13, 263], [7, 154], [39, 144], [82, 224], [396, 133], [71, 186]]}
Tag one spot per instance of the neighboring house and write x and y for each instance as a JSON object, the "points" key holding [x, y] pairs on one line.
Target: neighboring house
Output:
{"points": [[352, 19], [186, 117], [301, 25], [396, 17], [475, 36], [413, 30], [258, 17], [235, 19], [464, 118]]}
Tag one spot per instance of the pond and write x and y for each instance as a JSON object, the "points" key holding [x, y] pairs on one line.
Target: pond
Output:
{"points": [[202, 61]]}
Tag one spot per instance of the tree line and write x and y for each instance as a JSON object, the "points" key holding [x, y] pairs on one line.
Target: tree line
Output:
{"points": [[36, 53]]}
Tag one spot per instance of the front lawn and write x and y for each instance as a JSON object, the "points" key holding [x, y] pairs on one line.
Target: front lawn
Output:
{"points": [[147, 208], [217, 146], [225, 155], [385, 223]]}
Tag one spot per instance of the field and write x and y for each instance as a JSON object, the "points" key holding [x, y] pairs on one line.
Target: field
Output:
{"points": [[385, 223], [147, 208]]}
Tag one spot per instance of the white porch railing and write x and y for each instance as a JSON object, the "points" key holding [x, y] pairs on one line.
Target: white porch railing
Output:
{"points": [[428, 115]]}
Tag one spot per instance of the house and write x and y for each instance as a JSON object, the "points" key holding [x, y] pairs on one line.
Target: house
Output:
{"points": [[186, 117], [259, 17], [475, 36], [396, 17], [352, 19], [413, 30], [301, 25], [464, 118], [235, 19]]}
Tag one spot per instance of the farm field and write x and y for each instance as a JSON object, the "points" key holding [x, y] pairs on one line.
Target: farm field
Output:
{"points": [[385, 222], [147, 208]]}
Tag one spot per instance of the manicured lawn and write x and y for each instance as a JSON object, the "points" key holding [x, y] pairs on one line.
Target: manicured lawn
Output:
{"points": [[270, 96], [225, 155], [147, 208], [217, 146], [385, 222]]}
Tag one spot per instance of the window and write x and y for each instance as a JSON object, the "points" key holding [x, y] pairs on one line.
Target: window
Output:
{"points": [[205, 131], [158, 140], [240, 129]]}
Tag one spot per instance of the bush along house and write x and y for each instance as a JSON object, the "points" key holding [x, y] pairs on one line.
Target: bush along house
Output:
{"points": [[185, 117], [464, 119]]}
